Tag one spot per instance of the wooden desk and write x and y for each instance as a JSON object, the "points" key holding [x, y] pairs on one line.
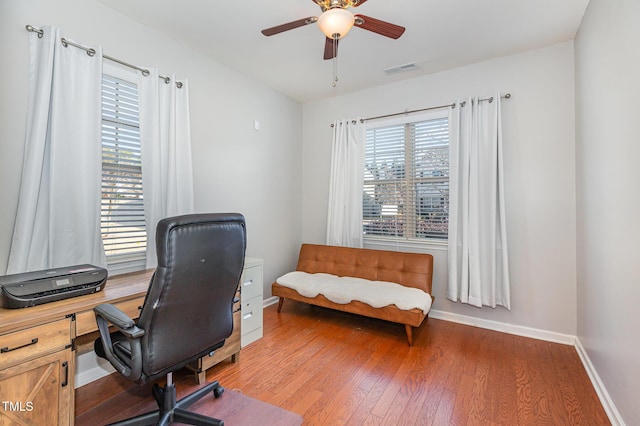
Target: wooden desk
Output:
{"points": [[38, 347], [119, 289]]}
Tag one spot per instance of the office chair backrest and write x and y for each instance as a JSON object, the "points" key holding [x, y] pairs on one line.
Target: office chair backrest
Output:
{"points": [[188, 308]]}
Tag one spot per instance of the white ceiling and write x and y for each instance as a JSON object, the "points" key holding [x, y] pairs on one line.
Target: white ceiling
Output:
{"points": [[440, 35]]}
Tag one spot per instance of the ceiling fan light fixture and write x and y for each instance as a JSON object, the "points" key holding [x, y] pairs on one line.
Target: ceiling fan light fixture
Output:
{"points": [[335, 23]]}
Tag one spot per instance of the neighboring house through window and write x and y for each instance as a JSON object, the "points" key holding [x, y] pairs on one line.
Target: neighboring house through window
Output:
{"points": [[406, 178], [122, 215]]}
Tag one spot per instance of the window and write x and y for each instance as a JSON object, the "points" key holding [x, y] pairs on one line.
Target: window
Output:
{"points": [[406, 179], [122, 214]]}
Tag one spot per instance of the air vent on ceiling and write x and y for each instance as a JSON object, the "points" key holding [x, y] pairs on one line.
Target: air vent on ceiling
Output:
{"points": [[401, 68]]}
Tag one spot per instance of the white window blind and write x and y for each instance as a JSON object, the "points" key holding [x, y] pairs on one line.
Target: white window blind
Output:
{"points": [[406, 183], [122, 219]]}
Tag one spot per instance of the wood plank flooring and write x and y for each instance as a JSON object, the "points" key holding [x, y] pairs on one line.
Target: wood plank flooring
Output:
{"points": [[335, 368]]}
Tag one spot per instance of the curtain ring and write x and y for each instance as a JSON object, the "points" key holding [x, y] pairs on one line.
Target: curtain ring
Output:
{"points": [[145, 72], [491, 99], [167, 80], [179, 84], [64, 42], [91, 52]]}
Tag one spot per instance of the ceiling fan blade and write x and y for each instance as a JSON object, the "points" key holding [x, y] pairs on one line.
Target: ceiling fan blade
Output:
{"points": [[330, 50], [379, 27], [289, 26]]}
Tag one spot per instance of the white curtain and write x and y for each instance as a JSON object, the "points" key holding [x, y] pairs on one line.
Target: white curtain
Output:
{"points": [[165, 135], [58, 216], [344, 218], [478, 259]]}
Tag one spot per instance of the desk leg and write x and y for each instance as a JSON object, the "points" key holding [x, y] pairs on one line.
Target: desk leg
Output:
{"points": [[199, 368], [201, 377]]}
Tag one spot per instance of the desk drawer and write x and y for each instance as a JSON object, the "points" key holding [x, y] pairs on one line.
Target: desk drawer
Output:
{"points": [[86, 321], [231, 346], [35, 341]]}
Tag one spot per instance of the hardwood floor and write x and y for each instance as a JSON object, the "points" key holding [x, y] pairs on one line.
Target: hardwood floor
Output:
{"points": [[335, 368]]}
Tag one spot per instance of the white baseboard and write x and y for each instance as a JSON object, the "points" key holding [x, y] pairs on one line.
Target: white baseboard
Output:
{"points": [[518, 330], [90, 368], [609, 407], [270, 301]]}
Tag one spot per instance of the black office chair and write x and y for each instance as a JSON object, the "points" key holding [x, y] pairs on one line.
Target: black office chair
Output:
{"points": [[187, 312]]}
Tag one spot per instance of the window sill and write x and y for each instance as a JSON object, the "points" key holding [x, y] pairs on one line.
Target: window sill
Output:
{"points": [[124, 264], [398, 245]]}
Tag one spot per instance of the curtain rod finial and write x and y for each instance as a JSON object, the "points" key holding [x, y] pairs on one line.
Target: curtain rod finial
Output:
{"points": [[33, 29]]}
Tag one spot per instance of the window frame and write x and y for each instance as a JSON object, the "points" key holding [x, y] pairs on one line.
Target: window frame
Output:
{"points": [[124, 263], [397, 241]]}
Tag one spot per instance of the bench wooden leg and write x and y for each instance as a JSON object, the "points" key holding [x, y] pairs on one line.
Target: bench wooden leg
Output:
{"points": [[280, 304], [409, 330]]}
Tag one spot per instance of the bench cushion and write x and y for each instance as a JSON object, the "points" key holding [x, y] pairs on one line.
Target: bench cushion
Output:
{"points": [[343, 290]]}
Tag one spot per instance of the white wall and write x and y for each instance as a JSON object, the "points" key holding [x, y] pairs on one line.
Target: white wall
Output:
{"points": [[608, 196], [235, 167], [538, 125]]}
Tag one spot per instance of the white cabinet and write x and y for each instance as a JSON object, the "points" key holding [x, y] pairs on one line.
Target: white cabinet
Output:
{"points": [[251, 301]]}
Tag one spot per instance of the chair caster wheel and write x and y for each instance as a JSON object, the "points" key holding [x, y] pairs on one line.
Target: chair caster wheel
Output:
{"points": [[217, 392]]}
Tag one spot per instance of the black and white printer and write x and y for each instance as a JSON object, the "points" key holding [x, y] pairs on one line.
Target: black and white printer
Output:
{"points": [[38, 287]]}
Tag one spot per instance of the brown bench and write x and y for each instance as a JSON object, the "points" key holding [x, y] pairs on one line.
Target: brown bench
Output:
{"points": [[407, 269]]}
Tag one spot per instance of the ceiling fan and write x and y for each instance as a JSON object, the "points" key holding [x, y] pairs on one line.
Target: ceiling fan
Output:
{"points": [[336, 21]]}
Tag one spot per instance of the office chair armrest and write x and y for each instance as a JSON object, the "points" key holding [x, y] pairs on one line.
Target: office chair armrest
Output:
{"points": [[119, 319], [106, 314]]}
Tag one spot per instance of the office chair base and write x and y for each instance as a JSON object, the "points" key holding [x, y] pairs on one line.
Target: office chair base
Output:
{"points": [[171, 411]]}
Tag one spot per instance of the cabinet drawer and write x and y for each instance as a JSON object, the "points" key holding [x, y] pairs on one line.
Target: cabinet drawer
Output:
{"points": [[86, 321], [251, 282], [35, 341], [251, 314]]}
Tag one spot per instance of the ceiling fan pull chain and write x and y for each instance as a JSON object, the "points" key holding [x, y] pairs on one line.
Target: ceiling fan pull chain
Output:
{"points": [[335, 63]]}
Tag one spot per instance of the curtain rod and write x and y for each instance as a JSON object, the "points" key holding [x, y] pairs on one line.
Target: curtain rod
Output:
{"points": [[145, 72], [453, 105]]}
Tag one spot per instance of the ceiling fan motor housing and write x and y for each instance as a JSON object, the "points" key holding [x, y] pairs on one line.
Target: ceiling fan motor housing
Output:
{"points": [[333, 4]]}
